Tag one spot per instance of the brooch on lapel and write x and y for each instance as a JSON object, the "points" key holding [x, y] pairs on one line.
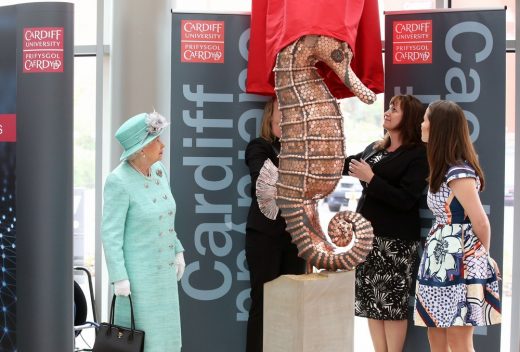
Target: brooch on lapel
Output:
{"points": [[159, 173]]}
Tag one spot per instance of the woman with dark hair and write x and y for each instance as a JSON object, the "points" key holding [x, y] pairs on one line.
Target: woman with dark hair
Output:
{"points": [[269, 251], [393, 174], [457, 283]]}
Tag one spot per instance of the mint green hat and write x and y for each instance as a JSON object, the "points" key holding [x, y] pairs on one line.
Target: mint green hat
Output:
{"points": [[138, 131]]}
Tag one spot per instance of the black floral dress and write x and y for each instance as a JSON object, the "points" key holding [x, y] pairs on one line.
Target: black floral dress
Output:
{"points": [[383, 281]]}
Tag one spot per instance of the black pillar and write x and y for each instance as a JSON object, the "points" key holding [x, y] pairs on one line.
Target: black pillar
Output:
{"points": [[44, 190]]}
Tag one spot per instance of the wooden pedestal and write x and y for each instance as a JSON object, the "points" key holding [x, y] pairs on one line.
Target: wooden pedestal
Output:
{"points": [[310, 313]]}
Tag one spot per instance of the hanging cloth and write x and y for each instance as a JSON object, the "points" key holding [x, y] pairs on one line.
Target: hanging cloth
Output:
{"points": [[277, 23]]}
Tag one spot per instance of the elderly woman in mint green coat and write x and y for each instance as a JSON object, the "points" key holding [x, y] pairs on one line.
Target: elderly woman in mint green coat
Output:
{"points": [[144, 256]]}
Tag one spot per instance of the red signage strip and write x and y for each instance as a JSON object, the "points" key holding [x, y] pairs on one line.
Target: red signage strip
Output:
{"points": [[202, 41], [7, 128], [43, 49], [412, 42]]}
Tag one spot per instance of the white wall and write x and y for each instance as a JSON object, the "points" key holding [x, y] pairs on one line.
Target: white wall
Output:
{"points": [[140, 63], [211, 5]]}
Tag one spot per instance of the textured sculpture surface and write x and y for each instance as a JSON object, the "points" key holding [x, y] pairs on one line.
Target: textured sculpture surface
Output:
{"points": [[312, 153]]}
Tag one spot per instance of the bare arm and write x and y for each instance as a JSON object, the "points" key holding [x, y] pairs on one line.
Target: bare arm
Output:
{"points": [[466, 192]]}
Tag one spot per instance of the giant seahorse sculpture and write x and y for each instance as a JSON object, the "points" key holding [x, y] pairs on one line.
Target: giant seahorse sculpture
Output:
{"points": [[312, 152]]}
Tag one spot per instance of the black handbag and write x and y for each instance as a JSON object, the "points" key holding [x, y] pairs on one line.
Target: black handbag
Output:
{"points": [[115, 338]]}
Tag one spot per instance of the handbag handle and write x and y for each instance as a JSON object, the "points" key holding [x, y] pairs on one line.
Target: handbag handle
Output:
{"points": [[112, 309]]}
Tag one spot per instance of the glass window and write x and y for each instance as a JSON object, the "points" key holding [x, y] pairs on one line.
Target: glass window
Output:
{"points": [[362, 125], [84, 156], [85, 16], [406, 5], [84, 176], [510, 12], [507, 266], [212, 5]]}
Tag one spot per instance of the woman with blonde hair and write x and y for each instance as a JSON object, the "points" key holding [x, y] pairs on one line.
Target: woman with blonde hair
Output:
{"points": [[269, 251], [457, 283]]}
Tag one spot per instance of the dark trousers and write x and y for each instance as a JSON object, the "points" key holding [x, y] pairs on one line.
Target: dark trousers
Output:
{"points": [[268, 257]]}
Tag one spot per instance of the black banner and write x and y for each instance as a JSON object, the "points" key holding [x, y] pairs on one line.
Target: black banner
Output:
{"points": [[8, 177], [213, 119], [458, 56], [36, 90]]}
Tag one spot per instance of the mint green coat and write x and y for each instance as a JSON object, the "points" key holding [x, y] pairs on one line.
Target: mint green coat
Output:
{"points": [[140, 244]]}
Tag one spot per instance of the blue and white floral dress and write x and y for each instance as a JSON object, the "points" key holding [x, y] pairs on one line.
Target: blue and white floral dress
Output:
{"points": [[456, 284]]}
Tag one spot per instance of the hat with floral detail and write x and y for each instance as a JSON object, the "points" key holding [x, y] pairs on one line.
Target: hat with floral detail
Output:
{"points": [[138, 131]]}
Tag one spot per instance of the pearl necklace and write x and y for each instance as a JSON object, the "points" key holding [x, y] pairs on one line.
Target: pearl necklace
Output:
{"points": [[148, 175]]}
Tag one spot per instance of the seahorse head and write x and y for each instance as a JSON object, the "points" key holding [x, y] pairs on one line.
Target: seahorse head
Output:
{"points": [[337, 55]]}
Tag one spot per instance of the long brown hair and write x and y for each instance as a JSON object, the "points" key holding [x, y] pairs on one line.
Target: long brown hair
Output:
{"points": [[410, 126], [266, 131], [449, 142]]}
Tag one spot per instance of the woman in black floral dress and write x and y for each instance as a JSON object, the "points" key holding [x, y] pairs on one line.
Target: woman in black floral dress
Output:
{"points": [[393, 174]]}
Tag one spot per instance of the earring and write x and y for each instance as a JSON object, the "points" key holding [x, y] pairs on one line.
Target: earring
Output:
{"points": [[143, 154]]}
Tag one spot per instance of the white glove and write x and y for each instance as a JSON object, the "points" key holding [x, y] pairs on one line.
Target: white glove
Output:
{"points": [[122, 288], [181, 265]]}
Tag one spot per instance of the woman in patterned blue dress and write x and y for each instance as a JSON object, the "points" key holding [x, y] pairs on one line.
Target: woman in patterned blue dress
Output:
{"points": [[457, 283]]}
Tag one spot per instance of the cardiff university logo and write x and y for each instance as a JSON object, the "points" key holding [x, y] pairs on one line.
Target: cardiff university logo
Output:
{"points": [[202, 41], [43, 49]]}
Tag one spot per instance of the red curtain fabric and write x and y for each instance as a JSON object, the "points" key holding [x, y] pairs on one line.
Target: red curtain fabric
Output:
{"points": [[277, 23]]}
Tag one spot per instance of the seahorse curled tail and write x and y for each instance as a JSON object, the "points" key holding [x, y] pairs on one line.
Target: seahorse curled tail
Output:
{"points": [[312, 151]]}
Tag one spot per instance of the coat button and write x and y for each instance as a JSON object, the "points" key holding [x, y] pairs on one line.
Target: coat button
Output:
{"points": [[165, 196], [170, 212], [171, 230]]}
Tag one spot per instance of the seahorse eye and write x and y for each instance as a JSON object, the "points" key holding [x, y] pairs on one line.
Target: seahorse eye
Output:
{"points": [[337, 55]]}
